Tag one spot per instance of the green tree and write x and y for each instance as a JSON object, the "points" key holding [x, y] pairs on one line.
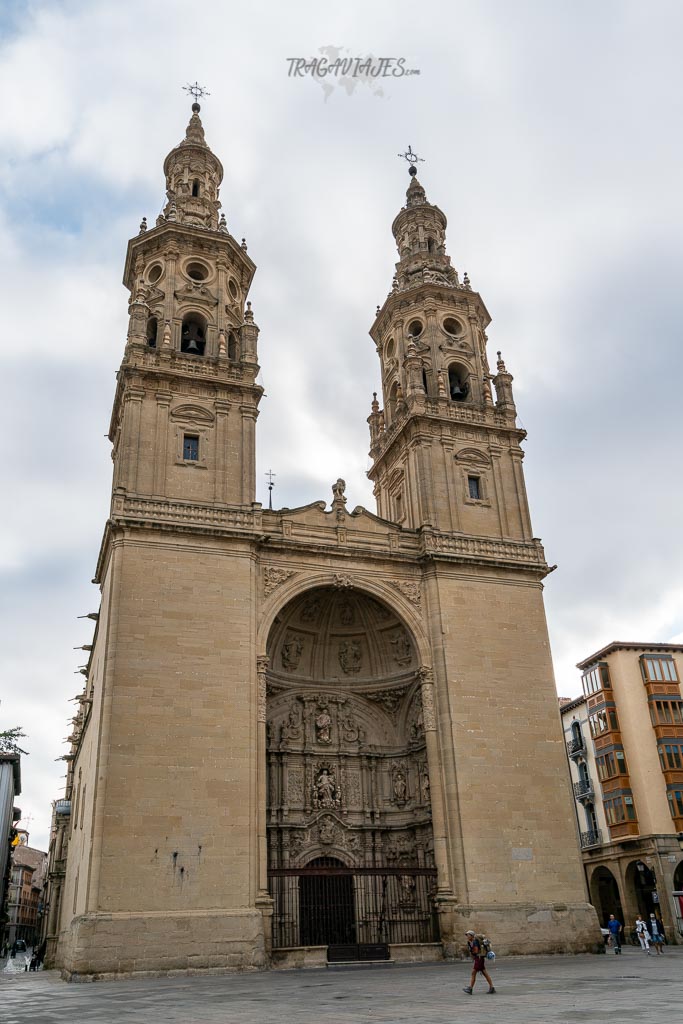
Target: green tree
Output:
{"points": [[9, 741]]}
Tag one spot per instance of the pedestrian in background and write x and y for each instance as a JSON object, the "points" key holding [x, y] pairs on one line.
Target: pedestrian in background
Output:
{"points": [[615, 929], [643, 934], [479, 963], [657, 934]]}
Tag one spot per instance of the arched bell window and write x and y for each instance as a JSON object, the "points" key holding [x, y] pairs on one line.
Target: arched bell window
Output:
{"points": [[393, 393], [233, 348], [424, 380], [458, 388], [431, 245], [151, 334], [193, 335], [195, 187]]}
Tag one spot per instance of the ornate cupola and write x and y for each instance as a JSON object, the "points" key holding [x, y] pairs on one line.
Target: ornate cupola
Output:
{"points": [[191, 353], [193, 178], [436, 445]]}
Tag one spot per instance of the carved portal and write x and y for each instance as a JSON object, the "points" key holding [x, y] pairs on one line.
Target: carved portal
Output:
{"points": [[347, 762]]}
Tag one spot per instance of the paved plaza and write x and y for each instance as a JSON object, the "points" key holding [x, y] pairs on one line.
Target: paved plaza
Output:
{"points": [[633, 987]]}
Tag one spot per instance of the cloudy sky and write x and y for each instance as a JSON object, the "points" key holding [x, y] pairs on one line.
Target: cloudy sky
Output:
{"points": [[551, 134]]}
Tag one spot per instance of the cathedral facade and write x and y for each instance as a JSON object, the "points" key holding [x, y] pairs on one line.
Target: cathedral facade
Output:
{"points": [[318, 732]]}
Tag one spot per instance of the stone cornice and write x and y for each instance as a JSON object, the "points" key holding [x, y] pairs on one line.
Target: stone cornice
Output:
{"points": [[447, 413], [168, 371], [187, 236], [278, 531]]}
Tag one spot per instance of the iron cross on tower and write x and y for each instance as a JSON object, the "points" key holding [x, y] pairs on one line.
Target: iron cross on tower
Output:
{"points": [[412, 159], [196, 90]]}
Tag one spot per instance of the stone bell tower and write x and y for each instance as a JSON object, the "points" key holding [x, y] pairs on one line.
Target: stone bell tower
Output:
{"points": [[186, 404], [436, 383]]}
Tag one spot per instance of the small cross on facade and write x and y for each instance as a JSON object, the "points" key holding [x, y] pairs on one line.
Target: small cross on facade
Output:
{"points": [[271, 476]]}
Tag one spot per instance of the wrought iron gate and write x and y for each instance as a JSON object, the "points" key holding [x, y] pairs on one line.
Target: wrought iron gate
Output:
{"points": [[326, 905]]}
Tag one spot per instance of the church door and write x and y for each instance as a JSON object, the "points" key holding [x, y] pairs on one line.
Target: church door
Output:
{"points": [[326, 905]]}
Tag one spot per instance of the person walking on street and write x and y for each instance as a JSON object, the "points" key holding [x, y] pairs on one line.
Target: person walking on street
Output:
{"points": [[657, 934], [479, 963], [643, 934], [615, 929]]}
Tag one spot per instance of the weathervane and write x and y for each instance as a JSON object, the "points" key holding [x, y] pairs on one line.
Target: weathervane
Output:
{"points": [[196, 90], [271, 476], [412, 159]]}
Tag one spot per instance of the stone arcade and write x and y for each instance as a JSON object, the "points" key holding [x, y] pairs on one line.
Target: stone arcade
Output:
{"points": [[311, 728]]}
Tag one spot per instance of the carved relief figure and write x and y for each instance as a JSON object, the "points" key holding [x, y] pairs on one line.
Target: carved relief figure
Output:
{"points": [[323, 725], [311, 610], [326, 831], [407, 890], [346, 614], [351, 731], [402, 649], [292, 649], [350, 656], [325, 789], [293, 727]]}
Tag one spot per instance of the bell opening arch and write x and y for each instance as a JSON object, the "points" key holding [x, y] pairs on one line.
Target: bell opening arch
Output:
{"points": [[348, 788]]}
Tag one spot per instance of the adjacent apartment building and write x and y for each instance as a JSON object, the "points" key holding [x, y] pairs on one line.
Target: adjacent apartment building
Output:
{"points": [[624, 739], [25, 895]]}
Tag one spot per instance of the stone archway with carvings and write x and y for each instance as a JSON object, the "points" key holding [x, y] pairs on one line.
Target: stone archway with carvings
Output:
{"points": [[347, 770]]}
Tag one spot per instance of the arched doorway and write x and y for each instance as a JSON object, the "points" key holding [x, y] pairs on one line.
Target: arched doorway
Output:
{"points": [[350, 842], [605, 895], [678, 898], [643, 883]]}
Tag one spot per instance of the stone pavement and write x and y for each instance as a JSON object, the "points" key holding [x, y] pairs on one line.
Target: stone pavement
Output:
{"points": [[607, 988]]}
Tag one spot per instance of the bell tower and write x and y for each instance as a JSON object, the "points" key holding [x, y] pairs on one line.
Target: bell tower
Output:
{"points": [[446, 455], [183, 422]]}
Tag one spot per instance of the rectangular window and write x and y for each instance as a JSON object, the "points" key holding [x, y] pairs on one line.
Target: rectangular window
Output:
{"points": [[675, 802], [596, 679], [473, 483], [621, 762], [630, 809], [658, 670], [191, 448]]}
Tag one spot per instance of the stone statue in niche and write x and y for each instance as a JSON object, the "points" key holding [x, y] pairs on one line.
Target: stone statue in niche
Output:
{"points": [[400, 786], [292, 650], [323, 725], [403, 651], [350, 656], [425, 788], [325, 789], [417, 729]]}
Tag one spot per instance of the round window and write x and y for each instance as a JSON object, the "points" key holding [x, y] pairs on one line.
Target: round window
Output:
{"points": [[154, 273], [452, 326], [232, 288], [197, 271], [415, 328]]}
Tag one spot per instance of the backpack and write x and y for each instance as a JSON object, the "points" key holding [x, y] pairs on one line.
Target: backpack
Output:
{"points": [[485, 944]]}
